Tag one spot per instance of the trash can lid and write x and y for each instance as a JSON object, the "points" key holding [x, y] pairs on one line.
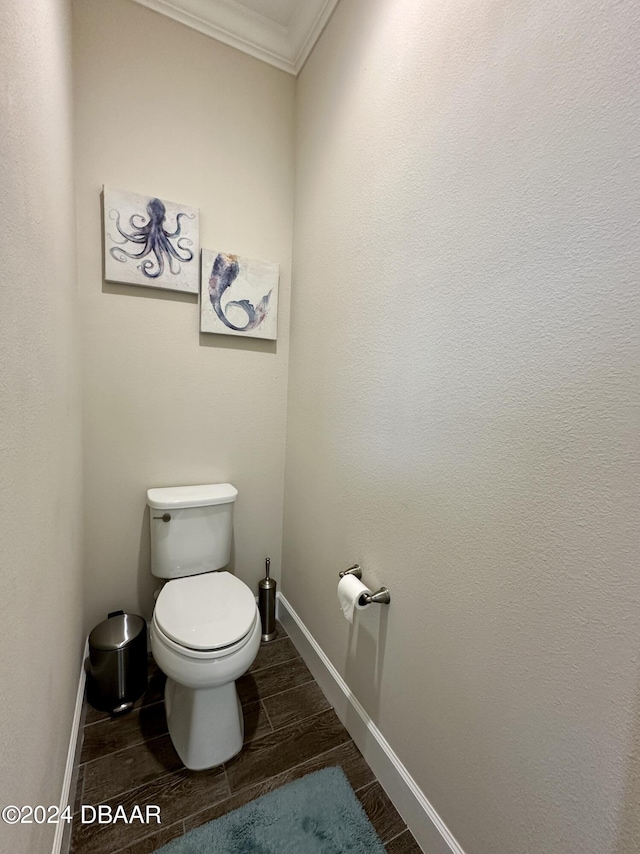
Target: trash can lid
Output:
{"points": [[116, 632]]}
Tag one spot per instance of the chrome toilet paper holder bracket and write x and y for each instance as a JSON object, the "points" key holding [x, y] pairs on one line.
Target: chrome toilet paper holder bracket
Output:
{"points": [[380, 597]]}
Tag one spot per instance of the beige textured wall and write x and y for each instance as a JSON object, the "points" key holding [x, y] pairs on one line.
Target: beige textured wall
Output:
{"points": [[40, 454], [162, 109], [463, 402]]}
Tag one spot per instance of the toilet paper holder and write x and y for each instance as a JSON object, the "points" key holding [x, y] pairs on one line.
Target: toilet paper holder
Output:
{"points": [[380, 597]]}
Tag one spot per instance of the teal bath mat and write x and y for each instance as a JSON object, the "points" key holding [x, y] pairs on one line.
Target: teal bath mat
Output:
{"points": [[319, 814]]}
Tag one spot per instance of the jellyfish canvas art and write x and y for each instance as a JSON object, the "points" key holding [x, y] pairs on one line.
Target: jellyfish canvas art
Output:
{"points": [[150, 242], [239, 296]]}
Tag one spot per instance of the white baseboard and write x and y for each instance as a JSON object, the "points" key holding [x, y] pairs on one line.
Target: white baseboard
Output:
{"points": [[421, 818], [76, 725]]}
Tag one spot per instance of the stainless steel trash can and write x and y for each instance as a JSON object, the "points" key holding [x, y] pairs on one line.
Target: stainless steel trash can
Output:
{"points": [[117, 672]]}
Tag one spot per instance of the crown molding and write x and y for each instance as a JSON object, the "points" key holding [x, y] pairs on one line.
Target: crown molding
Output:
{"points": [[229, 21]]}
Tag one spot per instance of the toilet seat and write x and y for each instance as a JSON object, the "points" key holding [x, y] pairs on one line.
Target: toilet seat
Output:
{"points": [[205, 614], [200, 655]]}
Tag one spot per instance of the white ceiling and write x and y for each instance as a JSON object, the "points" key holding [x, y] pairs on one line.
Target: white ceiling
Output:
{"points": [[280, 32]]}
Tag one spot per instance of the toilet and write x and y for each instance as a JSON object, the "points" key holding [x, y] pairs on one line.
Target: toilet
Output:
{"points": [[205, 630]]}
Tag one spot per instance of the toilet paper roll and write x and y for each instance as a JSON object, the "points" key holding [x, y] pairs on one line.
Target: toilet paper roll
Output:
{"points": [[350, 590]]}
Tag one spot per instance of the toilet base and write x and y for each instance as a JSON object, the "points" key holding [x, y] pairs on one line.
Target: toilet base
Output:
{"points": [[206, 725]]}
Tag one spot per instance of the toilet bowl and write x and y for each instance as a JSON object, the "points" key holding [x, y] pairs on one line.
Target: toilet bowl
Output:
{"points": [[205, 634], [205, 631]]}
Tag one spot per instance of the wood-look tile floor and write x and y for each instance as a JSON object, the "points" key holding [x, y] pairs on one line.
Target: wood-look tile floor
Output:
{"points": [[290, 730]]}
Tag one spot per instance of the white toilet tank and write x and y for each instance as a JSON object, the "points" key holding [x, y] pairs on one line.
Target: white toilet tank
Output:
{"points": [[190, 528]]}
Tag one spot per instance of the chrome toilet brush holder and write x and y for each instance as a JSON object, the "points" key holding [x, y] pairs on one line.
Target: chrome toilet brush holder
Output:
{"points": [[267, 604]]}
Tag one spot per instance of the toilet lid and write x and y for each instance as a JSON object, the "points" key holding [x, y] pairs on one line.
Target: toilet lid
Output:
{"points": [[207, 611]]}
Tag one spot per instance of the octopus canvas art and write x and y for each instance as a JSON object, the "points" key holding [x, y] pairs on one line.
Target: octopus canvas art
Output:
{"points": [[149, 241], [239, 296]]}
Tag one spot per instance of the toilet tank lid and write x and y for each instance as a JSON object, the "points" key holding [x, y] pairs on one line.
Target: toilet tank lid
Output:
{"points": [[174, 497]]}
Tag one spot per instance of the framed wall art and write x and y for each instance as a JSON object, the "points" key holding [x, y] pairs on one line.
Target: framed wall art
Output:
{"points": [[239, 296], [151, 242]]}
